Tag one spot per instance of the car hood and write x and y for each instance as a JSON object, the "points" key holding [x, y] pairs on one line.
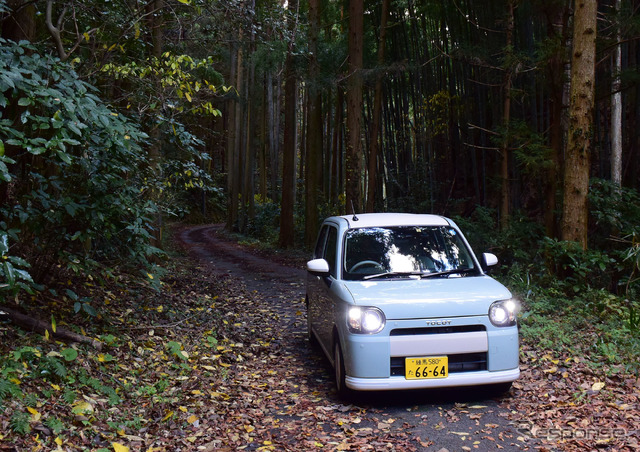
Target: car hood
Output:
{"points": [[429, 298]]}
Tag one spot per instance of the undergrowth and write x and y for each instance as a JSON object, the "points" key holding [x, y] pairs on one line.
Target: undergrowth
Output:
{"points": [[58, 396]]}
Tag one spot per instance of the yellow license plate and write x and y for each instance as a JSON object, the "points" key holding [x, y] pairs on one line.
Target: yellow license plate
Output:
{"points": [[426, 367]]}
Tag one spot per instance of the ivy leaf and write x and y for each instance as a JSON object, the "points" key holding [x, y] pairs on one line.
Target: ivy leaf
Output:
{"points": [[69, 354]]}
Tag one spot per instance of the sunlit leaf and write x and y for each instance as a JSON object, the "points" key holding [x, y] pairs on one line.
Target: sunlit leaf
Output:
{"points": [[117, 447], [82, 407], [35, 415]]}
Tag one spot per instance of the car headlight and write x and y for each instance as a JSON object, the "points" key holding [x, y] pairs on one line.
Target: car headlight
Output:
{"points": [[365, 320], [503, 313]]}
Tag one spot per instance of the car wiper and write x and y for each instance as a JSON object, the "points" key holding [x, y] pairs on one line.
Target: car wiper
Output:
{"points": [[393, 274], [449, 272]]}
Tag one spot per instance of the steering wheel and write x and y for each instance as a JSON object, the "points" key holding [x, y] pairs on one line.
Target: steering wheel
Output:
{"points": [[363, 263]]}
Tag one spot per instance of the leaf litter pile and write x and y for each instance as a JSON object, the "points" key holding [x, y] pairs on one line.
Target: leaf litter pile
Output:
{"points": [[202, 363]]}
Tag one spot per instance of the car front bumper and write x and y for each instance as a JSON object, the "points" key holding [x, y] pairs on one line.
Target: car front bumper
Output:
{"points": [[461, 379], [479, 354]]}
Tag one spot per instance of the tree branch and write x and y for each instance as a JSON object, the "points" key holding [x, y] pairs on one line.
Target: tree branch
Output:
{"points": [[40, 326], [56, 34]]}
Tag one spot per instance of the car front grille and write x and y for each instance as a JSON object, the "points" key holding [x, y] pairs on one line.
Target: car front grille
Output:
{"points": [[437, 330], [464, 362], [458, 362]]}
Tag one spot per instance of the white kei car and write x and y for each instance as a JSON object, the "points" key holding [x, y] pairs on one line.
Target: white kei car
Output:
{"points": [[400, 301]]}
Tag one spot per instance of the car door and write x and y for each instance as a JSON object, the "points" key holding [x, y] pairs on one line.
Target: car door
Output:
{"points": [[314, 282], [325, 303]]}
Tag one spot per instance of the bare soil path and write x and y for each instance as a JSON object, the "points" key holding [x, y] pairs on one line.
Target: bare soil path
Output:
{"points": [[284, 398]]}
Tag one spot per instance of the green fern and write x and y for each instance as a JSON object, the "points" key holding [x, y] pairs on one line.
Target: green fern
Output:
{"points": [[69, 396], [20, 423], [55, 425], [30, 399], [8, 388], [51, 368]]}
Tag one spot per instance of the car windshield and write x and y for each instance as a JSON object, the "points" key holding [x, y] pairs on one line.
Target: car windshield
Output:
{"points": [[405, 251]]}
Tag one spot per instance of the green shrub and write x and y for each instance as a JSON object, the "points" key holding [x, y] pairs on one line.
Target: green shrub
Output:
{"points": [[265, 225], [519, 242], [74, 172]]}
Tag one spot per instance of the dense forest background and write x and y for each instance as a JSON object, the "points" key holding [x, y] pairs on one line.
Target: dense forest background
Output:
{"points": [[520, 119]]}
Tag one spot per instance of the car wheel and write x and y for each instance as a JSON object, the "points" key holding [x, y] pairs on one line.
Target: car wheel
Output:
{"points": [[338, 365]]}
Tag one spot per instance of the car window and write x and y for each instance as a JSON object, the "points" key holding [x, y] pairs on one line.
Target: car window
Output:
{"points": [[330, 250], [419, 249], [318, 253]]}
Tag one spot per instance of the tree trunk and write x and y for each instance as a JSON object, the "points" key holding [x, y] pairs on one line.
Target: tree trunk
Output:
{"points": [[336, 188], [248, 190], [577, 163], [250, 119], [354, 107], [274, 132], [20, 24], [506, 118], [264, 146], [374, 145], [286, 239], [235, 164], [155, 22], [230, 120], [41, 327], [557, 29], [616, 107], [313, 171]]}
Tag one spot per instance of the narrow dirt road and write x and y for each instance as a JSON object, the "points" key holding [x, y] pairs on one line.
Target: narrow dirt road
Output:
{"points": [[284, 398]]}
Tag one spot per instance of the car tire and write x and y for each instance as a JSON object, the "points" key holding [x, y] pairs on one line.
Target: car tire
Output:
{"points": [[338, 365]]}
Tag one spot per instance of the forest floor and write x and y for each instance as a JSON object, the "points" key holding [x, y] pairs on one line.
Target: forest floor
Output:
{"points": [[216, 358]]}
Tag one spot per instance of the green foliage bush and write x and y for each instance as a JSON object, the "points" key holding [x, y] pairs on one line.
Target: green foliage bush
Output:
{"points": [[74, 172], [265, 225], [574, 300], [519, 242], [184, 181]]}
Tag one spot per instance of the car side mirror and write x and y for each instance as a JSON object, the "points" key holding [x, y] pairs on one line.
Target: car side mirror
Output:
{"points": [[318, 267], [488, 260]]}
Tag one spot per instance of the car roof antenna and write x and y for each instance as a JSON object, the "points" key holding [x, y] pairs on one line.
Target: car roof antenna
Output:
{"points": [[355, 218]]}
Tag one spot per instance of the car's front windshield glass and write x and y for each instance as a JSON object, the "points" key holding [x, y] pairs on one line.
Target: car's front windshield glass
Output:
{"points": [[404, 251]]}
